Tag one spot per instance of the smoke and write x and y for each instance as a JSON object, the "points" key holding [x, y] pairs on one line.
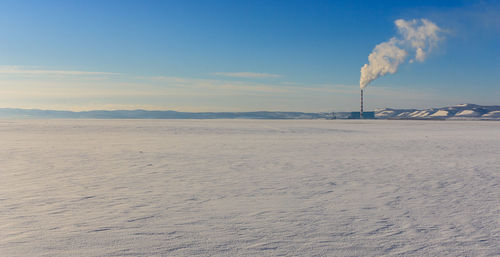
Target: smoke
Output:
{"points": [[385, 58], [415, 38]]}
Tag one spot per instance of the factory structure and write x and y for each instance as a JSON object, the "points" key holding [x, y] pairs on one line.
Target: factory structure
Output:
{"points": [[362, 114], [352, 115]]}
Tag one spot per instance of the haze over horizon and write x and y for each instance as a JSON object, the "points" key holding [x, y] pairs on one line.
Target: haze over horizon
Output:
{"points": [[239, 56]]}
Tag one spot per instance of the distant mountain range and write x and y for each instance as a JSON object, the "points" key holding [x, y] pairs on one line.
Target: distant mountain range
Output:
{"points": [[462, 111], [143, 114], [458, 112]]}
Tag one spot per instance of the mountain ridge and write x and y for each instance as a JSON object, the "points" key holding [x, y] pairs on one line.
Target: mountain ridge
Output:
{"points": [[457, 112], [146, 114]]}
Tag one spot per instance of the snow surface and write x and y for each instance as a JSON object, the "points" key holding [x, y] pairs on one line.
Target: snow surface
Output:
{"points": [[403, 114], [440, 113], [468, 113], [383, 114], [249, 188], [419, 114], [493, 114]]}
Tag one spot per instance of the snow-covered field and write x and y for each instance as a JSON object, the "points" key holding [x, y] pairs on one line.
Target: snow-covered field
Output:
{"points": [[249, 188]]}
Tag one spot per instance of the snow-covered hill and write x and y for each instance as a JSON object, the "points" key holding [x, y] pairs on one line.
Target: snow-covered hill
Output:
{"points": [[461, 111]]}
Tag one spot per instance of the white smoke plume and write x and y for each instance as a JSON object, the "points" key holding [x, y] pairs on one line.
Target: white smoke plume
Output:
{"points": [[415, 37]]}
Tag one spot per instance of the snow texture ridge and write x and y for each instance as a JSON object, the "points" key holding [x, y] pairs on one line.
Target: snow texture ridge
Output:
{"points": [[249, 188]]}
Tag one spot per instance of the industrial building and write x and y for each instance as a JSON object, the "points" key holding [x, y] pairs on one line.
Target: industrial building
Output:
{"points": [[361, 114], [366, 115]]}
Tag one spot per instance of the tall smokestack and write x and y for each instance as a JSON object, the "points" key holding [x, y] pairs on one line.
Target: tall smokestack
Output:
{"points": [[361, 112]]}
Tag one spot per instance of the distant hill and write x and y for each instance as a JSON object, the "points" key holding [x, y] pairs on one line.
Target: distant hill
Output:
{"points": [[458, 112], [143, 114]]}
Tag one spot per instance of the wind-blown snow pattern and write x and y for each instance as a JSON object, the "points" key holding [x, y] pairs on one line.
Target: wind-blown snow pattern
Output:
{"points": [[249, 188]]}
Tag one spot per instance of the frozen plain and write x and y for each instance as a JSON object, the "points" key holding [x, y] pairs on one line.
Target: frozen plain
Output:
{"points": [[249, 188]]}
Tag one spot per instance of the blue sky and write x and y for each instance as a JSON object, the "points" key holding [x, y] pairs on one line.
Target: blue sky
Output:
{"points": [[239, 55]]}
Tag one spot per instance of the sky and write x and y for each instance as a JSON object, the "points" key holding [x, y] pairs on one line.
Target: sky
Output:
{"points": [[239, 55]]}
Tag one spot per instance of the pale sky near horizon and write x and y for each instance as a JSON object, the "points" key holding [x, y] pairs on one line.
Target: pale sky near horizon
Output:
{"points": [[239, 55]]}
